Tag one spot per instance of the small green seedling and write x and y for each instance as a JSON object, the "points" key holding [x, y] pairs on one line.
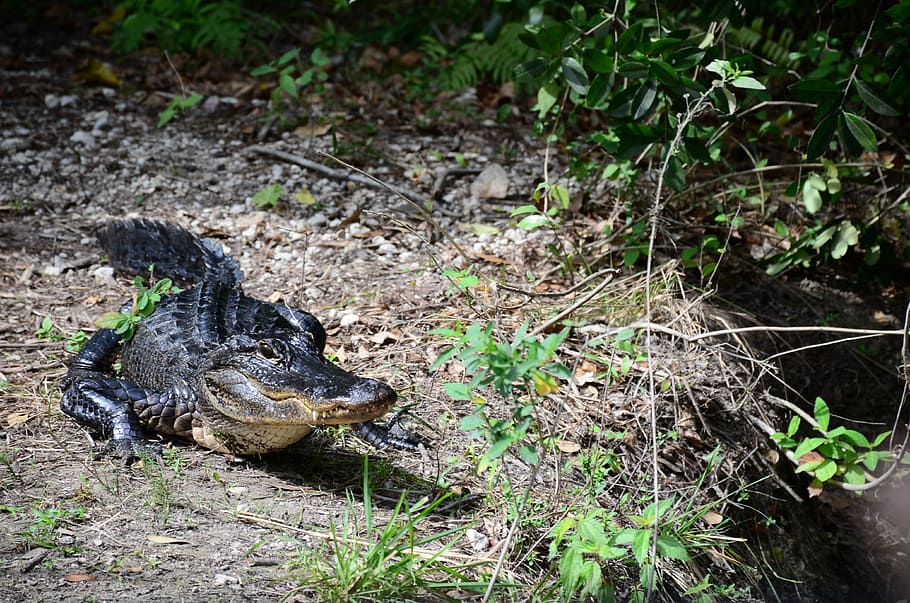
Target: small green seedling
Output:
{"points": [[144, 302]]}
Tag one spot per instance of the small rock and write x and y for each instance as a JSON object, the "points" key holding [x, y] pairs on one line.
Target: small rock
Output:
{"points": [[83, 138], [348, 319], [317, 220], [388, 249], [68, 99], [13, 144], [210, 104], [492, 183], [104, 275], [51, 101], [479, 541], [222, 579]]}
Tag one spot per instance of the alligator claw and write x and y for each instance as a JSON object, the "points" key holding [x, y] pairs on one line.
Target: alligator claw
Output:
{"points": [[390, 435], [128, 450]]}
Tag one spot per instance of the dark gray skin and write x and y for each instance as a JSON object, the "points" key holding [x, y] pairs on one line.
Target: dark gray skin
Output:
{"points": [[212, 365]]}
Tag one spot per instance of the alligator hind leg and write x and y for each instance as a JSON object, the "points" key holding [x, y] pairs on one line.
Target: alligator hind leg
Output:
{"points": [[105, 405], [102, 403]]}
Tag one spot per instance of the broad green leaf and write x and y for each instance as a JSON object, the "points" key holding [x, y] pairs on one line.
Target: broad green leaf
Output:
{"points": [[599, 91], [718, 66], [822, 414], [471, 422], [816, 91], [575, 76], [664, 72], [879, 439], [853, 474], [523, 209], [821, 137], [528, 454], [634, 70], [861, 131], [807, 445], [794, 426], [111, 320], [598, 61], [560, 194], [847, 237], [288, 57], [746, 82], [443, 357], [856, 438], [630, 39], [533, 221], [531, 71], [457, 391], [641, 545], [498, 448], [826, 470], [546, 98], [263, 70], [668, 546], [874, 101], [286, 83], [675, 176], [644, 100], [812, 196]]}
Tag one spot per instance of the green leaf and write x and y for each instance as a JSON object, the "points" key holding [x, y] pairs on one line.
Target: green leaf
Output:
{"points": [[816, 91], [641, 545], [664, 72], [856, 438], [471, 422], [794, 426], [749, 83], [675, 176], [822, 414], [263, 70], [286, 83], [812, 197], [630, 39], [498, 448], [576, 76], [821, 137], [546, 98], [533, 221], [807, 445], [826, 470], [861, 131], [443, 358], [287, 57], [847, 237], [874, 101], [598, 61], [111, 320], [853, 474], [528, 454], [457, 391], [668, 546], [599, 91], [644, 100]]}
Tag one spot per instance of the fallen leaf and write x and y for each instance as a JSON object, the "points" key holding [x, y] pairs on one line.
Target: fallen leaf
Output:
{"points": [[304, 197], [493, 259], [158, 539], [95, 72], [17, 418], [313, 130], [712, 518], [478, 229], [79, 578], [385, 336], [568, 447]]}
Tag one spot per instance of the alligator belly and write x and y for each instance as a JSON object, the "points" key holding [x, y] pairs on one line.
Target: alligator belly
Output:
{"points": [[246, 439]]}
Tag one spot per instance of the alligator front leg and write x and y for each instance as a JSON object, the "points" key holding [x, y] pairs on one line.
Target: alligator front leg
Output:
{"points": [[392, 434]]}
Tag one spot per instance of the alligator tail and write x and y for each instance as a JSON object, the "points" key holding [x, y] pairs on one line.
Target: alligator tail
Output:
{"points": [[132, 245]]}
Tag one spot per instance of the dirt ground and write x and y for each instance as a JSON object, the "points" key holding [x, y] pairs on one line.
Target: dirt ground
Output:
{"points": [[206, 527]]}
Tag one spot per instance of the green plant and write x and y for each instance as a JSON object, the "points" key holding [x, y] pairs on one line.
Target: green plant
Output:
{"points": [[390, 563], [268, 197], [838, 452], [42, 532], [178, 104], [583, 542], [144, 301], [518, 371], [182, 25], [74, 343], [293, 76]]}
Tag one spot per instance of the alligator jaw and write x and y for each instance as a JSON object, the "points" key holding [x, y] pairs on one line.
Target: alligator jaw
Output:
{"points": [[245, 400]]}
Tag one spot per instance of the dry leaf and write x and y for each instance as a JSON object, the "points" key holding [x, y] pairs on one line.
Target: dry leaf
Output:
{"points": [[94, 71], [712, 518], [492, 183], [17, 418], [158, 539], [313, 130], [79, 578], [568, 447], [385, 336], [304, 197]]}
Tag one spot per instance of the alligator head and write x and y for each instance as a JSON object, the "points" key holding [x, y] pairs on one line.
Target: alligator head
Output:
{"points": [[284, 379]]}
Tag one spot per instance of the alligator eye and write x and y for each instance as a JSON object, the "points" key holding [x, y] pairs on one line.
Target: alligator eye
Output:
{"points": [[266, 351]]}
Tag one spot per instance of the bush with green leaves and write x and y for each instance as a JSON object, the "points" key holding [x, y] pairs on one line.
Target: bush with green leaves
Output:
{"points": [[183, 25]]}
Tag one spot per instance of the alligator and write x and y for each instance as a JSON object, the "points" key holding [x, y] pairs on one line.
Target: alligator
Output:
{"points": [[212, 365]]}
